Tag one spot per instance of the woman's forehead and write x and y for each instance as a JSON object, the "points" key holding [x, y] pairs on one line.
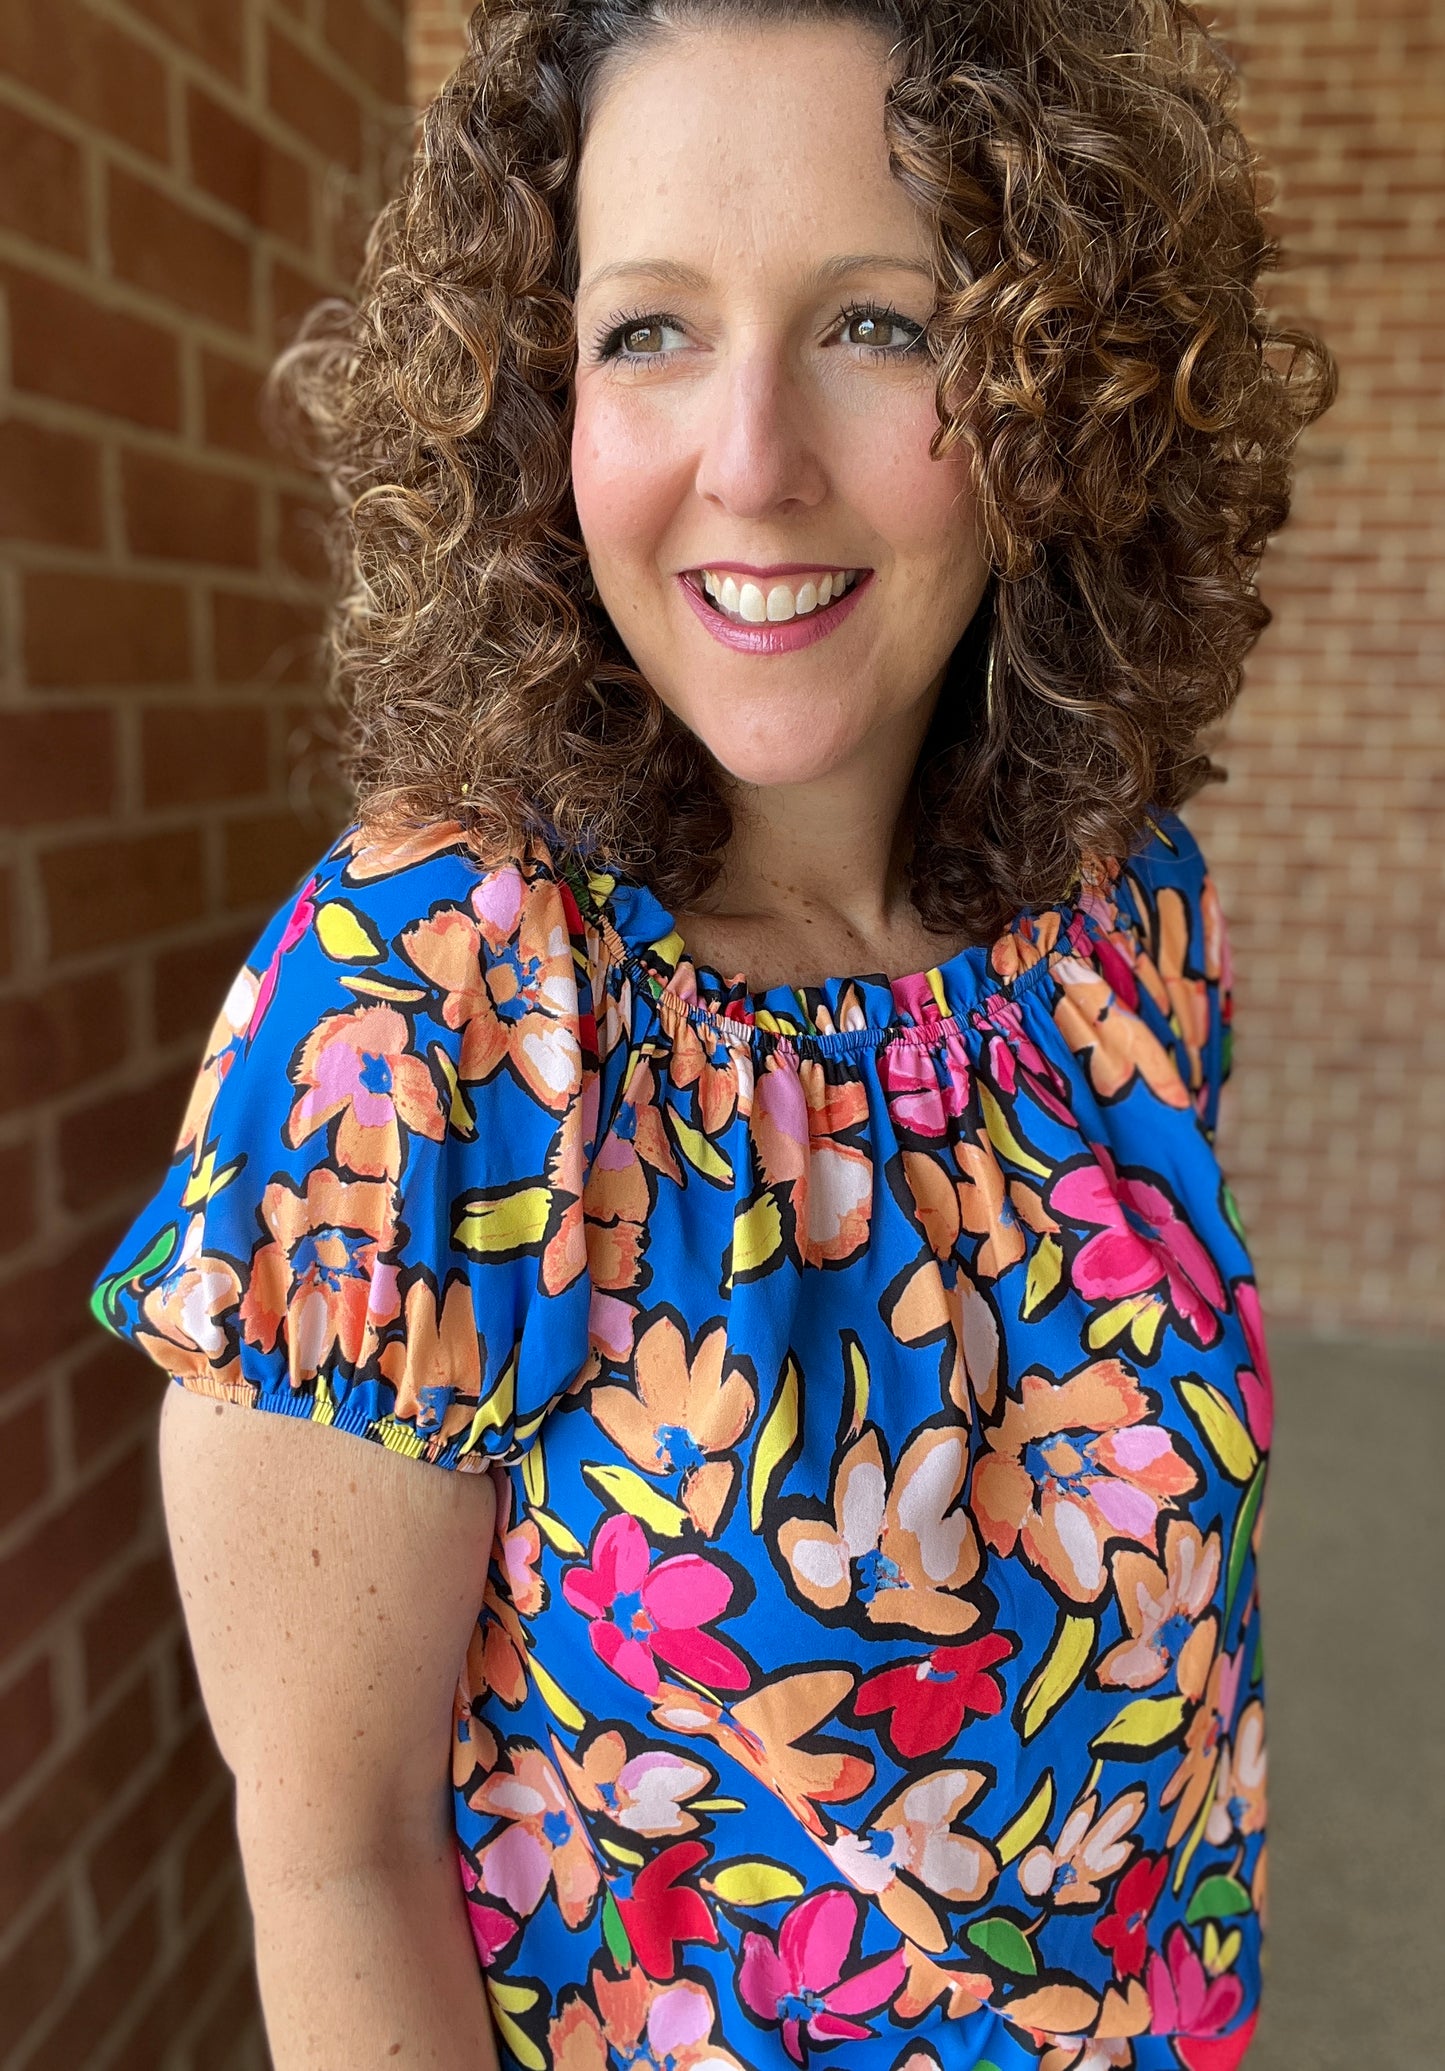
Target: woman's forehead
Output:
{"points": [[741, 137]]}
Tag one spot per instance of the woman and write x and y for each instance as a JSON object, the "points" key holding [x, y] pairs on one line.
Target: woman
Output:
{"points": [[858, 1380]]}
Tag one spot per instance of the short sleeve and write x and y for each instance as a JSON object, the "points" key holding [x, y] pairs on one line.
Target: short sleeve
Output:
{"points": [[1167, 893], [373, 1217]]}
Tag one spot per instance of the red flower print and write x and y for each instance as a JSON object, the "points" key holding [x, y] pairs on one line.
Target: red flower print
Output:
{"points": [[358, 1064], [1124, 1259], [1124, 1930], [1071, 1466], [1183, 1998], [798, 1985], [640, 1614], [661, 1912], [930, 1699]]}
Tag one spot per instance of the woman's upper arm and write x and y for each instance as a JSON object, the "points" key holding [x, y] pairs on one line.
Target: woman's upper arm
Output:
{"points": [[330, 1588]]}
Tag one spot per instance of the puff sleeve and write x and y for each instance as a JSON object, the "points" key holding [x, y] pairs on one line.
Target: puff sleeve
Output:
{"points": [[1184, 965], [373, 1215]]}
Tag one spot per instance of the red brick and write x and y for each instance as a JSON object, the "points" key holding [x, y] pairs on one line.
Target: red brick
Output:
{"points": [[266, 857], [17, 1195], [87, 65], [75, 1795], [98, 893], [142, 1605], [171, 251], [263, 640], [211, 1847], [24, 1467], [246, 171], [49, 486], [74, 1545], [293, 294], [311, 101], [174, 512], [230, 2034], [125, 1140], [212, 30], [192, 1771], [303, 526], [64, 345], [43, 192], [103, 1994], [371, 49], [84, 630], [195, 753], [7, 921], [57, 1037], [33, 1975], [230, 393], [55, 765], [190, 983], [27, 1721], [215, 1950]]}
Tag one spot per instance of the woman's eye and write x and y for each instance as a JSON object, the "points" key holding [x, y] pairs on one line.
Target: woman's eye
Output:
{"points": [[874, 326], [635, 338]]}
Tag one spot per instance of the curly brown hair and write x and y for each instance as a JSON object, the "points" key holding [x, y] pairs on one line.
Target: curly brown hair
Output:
{"points": [[1129, 404]]}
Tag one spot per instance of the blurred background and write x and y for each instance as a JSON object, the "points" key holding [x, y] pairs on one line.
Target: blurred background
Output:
{"points": [[179, 179]]}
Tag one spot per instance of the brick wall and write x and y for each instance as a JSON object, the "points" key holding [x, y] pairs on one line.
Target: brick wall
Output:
{"points": [[180, 178], [1327, 840]]}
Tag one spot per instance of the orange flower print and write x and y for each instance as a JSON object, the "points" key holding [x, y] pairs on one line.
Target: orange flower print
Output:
{"points": [[894, 1554], [377, 852], [184, 1319], [1116, 1044], [617, 1200], [685, 1415], [505, 966], [1239, 1790], [912, 1852], [320, 1274], [1092, 1847], [978, 1203], [543, 1842], [358, 1064], [636, 2022], [765, 1732], [796, 1122], [645, 1793], [1194, 1779], [436, 1367], [1164, 1605], [223, 1046], [1072, 1466]]}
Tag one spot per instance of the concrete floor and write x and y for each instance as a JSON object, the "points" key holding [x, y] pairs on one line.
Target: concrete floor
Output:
{"points": [[1352, 1576]]}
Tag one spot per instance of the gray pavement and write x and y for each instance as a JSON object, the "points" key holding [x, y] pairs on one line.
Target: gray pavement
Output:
{"points": [[1352, 1577]]}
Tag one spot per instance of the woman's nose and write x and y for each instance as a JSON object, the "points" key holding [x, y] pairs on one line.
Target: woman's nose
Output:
{"points": [[759, 434]]}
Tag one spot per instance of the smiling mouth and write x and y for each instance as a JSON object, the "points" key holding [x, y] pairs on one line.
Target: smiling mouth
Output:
{"points": [[748, 603]]}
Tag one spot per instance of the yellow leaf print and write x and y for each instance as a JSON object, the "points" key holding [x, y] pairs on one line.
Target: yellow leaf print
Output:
{"points": [[345, 935], [515, 1221], [1066, 1663], [1225, 1436], [775, 1441]]}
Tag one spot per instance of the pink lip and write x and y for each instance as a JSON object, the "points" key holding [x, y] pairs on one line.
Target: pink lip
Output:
{"points": [[787, 635], [776, 568]]}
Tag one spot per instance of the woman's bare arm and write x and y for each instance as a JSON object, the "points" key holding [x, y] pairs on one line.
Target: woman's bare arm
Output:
{"points": [[330, 1589]]}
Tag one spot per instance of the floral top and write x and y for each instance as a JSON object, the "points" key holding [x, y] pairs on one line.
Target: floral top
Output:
{"points": [[874, 1377]]}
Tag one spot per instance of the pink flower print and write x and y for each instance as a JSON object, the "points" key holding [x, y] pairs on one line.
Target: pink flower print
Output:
{"points": [[1124, 1260], [297, 928], [1183, 1998], [492, 1929], [926, 1085], [641, 1614], [358, 1064], [1071, 1466], [798, 1984], [542, 1842], [1256, 1382]]}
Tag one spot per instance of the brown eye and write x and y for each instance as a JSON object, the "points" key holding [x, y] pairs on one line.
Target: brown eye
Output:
{"points": [[637, 331]]}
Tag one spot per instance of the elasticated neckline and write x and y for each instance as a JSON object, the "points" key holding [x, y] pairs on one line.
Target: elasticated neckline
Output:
{"points": [[923, 1008]]}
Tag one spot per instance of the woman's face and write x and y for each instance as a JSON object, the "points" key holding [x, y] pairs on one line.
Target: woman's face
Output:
{"points": [[754, 397]]}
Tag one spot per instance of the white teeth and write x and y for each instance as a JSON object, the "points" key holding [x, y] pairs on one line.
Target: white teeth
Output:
{"points": [[755, 606]]}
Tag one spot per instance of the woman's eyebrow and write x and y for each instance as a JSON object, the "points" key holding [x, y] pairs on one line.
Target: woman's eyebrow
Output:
{"points": [[673, 273]]}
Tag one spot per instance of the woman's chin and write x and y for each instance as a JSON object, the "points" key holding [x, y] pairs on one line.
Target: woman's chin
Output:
{"points": [[777, 753]]}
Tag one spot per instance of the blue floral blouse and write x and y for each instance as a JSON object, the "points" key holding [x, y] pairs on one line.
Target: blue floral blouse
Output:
{"points": [[876, 1386]]}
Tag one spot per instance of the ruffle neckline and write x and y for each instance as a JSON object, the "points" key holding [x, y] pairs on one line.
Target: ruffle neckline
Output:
{"points": [[842, 1015]]}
